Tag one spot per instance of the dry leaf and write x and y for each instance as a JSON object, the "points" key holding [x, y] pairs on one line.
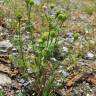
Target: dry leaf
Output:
{"points": [[4, 59], [75, 79], [8, 70]]}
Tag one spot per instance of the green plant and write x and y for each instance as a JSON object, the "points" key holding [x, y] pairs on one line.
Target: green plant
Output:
{"points": [[29, 4], [21, 53], [2, 93], [48, 43], [90, 9], [1, 15], [44, 73], [57, 13], [62, 17], [76, 36]]}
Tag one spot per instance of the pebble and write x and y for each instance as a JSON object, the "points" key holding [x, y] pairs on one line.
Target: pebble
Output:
{"points": [[53, 59], [65, 74], [61, 41], [4, 79], [5, 44], [89, 56], [3, 51], [0, 87], [70, 34], [62, 53], [1, 28], [65, 49], [22, 81], [38, 2], [14, 50], [29, 70], [69, 40]]}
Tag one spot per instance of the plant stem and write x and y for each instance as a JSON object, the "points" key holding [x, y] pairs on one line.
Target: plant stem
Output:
{"points": [[28, 7], [58, 34], [21, 44]]}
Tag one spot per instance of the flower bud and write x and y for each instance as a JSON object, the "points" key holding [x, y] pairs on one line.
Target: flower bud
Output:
{"points": [[18, 14], [57, 13], [53, 34], [52, 6], [76, 35], [45, 36], [31, 2], [62, 16]]}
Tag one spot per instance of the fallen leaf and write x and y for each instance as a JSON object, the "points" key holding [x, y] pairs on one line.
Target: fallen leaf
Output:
{"points": [[78, 78], [8, 70], [4, 59], [72, 80]]}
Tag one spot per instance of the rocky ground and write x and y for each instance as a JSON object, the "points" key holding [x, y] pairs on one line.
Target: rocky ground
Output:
{"points": [[79, 74]]}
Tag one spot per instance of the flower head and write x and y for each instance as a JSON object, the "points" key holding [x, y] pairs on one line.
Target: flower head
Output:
{"points": [[52, 6], [62, 16], [57, 13], [18, 14]]}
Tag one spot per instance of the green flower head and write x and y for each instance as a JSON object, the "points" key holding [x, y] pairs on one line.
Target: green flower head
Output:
{"points": [[31, 2], [53, 34], [57, 13], [45, 36], [52, 6], [62, 16], [18, 14], [76, 35]]}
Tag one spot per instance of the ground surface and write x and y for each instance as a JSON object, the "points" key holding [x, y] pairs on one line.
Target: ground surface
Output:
{"points": [[79, 72]]}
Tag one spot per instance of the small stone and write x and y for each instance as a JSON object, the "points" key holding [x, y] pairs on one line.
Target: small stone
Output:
{"points": [[38, 2], [65, 74], [1, 28], [26, 84], [69, 40], [70, 34], [4, 79], [65, 49], [63, 53], [75, 91], [89, 56], [30, 50], [62, 92], [0, 87], [22, 81], [90, 95], [14, 50], [29, 70], [3, 51], [61, 41], [5, 44], [53, 59]]}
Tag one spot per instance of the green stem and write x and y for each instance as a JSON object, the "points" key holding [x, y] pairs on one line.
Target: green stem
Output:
{"points": [[21, 44], [28, 7], [58, 34], [48, 29]]}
